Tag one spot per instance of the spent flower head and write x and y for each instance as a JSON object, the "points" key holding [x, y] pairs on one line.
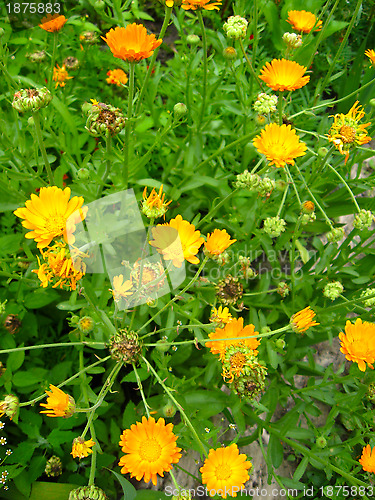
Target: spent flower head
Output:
{"points": [[265, 103], [31, 99], [363, 220], [104, 120], [336, 234], [333, 290], [274, 226], [235, 27], [9, 406], [292, 40], [367, 293]]}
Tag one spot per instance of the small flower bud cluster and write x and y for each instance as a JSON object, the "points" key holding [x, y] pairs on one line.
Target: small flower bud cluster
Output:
{"points": [[104, 119], [253, 182], [321, 442], [31, 99], [336, 235], [366, 293], [363, 220], [370, 394], [274, 226], [235, 27], [292, 40], [86, 324], [333, 290], [265, 103]]}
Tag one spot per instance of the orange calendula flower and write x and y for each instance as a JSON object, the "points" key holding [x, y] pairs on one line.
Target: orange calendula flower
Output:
{"points": [[233, 332], [52, 214], [225, 471], [358, 343], [117, 77], [150, 449], [367, 459], [131, 43], [282, 74], [304, 21], [60, 75], [177, 241], [217, 242], [154, 205], [346, 133], [81, 448], [370, 53], [280, 144], [59, 268], [303, 320], [221, 315], [59, 404], [200, 4], [52, 23], [121, 289]]}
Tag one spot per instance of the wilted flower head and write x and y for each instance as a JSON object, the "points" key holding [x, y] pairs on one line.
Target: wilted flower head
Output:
{"points": [[104, 120], [59, 404], [124, 346], [370, 53], [89, 37], [229, 290], [37, 57], [60, 75], [53, 467], [71, 63], [154, 205], [81, 448], [31, 99]]}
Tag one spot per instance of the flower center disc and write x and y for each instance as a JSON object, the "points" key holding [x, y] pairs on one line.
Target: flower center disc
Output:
{"points": [[150, 451], [223, 472], [347, 134], [56, 224]]}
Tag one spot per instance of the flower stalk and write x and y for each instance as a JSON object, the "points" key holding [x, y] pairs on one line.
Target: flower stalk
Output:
{"points": [[38, 132]]}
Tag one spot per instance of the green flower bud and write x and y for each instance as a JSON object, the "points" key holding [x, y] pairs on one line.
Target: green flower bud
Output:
{"points": [[87, 493], [104, 119], [274, 226], [336, 235], [2, 306], [245, 268], [31, 99], [99, 5], [180, 109], [280, 344], [30, 121], [292, 40], [307, 207], [280, 185], [370, 394], [367, 293], [53, 467], [265, 103], [235, 27], [86, 324], [333, 290], [86, 107], [372, 103], [307, 218], [322, 152], [363, 220], [193, 39], [83, 174], [321, 442], [169, 410], [265, 329], [230, 53]]}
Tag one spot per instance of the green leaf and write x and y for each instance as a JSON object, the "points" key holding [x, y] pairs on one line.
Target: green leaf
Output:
{"points": [[58, 437], [304, 253], [129, 491], [142, 372], [57, 491], [15, 360], [10, 244], [275, 451], [40, 298], [29, 377]]}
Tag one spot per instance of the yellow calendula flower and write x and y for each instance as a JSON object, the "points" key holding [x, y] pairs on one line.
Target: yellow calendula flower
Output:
{"points": [[50, 215], [154, 204], [52, 23], [282, 74], [59, 404], [81, 448], [303, 320], [60, 75], [280, 144], [177, 241], [200, 4], [221, 315], [225, 471], [121, 289], [131, 43], [370, 53], [217, 242], [304, 21], [358, 343], [150, 449], [117, 77], [367, 459], [346, 132], [232, 334], [59, 268]]}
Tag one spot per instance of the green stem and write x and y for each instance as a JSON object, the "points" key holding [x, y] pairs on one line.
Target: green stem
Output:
{"points": [[356, 305], [343, 43], [43, 346], [108, 142], [204, 81], [283, 200], [250, 66], [140, 387], [176, 297], [213, 209], [39, 137], [346, 185], [181, 410], [168, 12], [255, 41], [280, 107], [53, 59], [349, 302], [293, 183], [128, 125], [259, 293]]}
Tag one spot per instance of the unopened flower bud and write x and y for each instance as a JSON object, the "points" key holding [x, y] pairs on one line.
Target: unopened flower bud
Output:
{"points": [[363, 220], [83, 174], [86, 324], [265, 329], [366, 293], [265, 103], [193, 39], [235, 27], [336, 234], [372, 103], [322, 151], [31, 99], [162, 345], [260, 120], [292, 40], [180, 109], [321, 442], [274, 226], [280, 185], [280, 344], [99, 5], [230, 53], [169, 410], [333, 290]]}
